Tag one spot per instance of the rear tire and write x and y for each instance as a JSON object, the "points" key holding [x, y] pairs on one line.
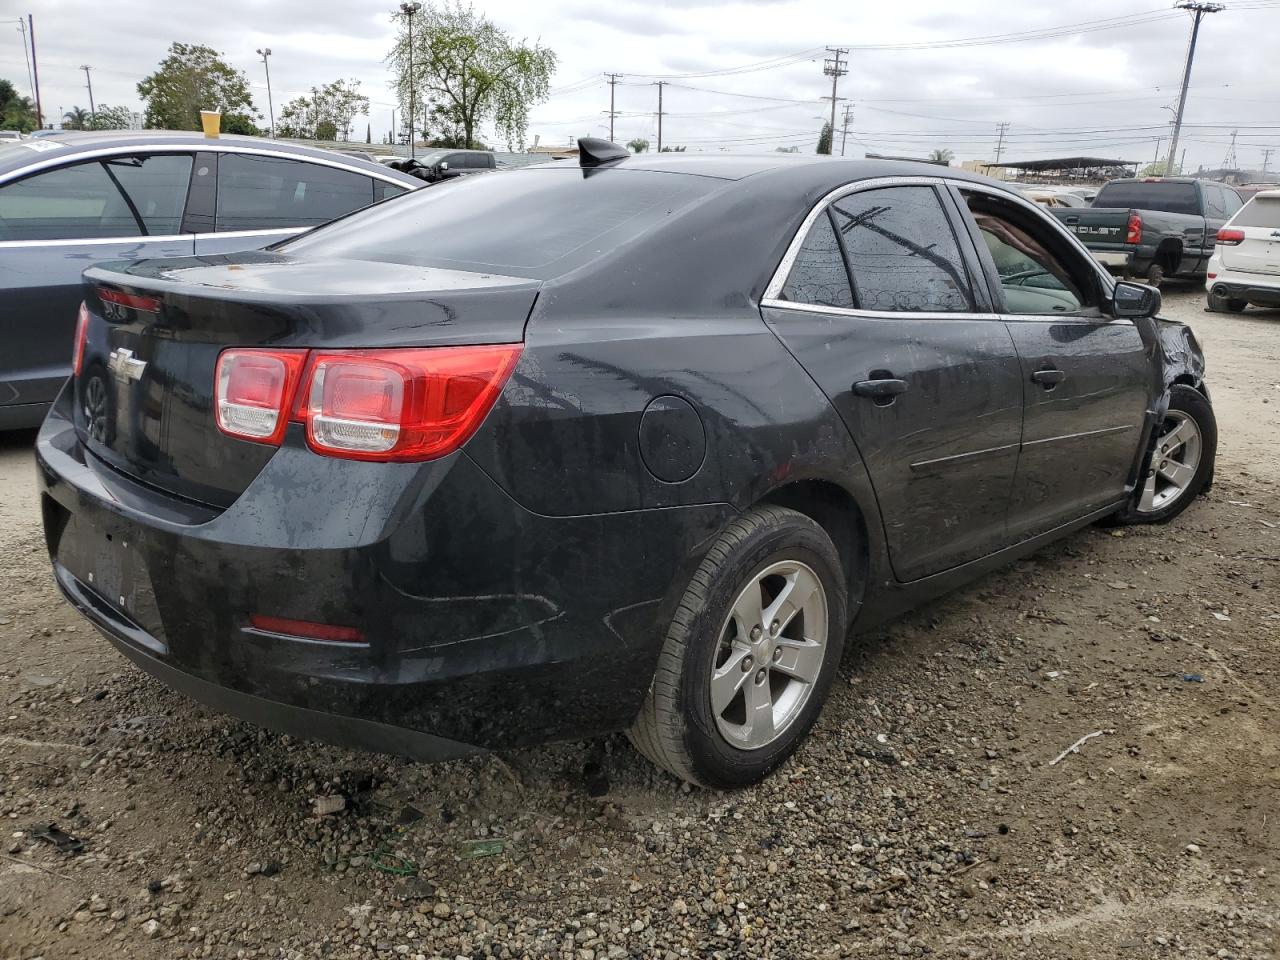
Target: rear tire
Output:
{"points": [[1155, 275], [1220, 304], [714, 646], [1182, 462]]}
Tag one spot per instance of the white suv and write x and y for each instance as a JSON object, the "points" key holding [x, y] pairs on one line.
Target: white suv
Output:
{"points": [[1245, 266]]}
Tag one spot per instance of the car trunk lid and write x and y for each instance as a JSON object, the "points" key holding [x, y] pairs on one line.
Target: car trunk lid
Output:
{"points": [[145, 390]]}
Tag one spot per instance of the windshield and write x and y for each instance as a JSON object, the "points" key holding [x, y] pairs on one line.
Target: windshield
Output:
{"points": [[1259, 212], [1170, 196], [525, 223]]}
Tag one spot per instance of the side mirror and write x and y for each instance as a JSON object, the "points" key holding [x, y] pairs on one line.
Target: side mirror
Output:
{"points": [[444, 165], [1133, 300]]}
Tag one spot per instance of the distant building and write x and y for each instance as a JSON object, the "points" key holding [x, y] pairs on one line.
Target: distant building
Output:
{"points": [[982, 168]]}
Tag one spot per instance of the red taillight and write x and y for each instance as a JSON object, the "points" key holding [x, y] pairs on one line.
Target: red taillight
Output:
{"points": [[82, 337], [253, 390], [306, 629], [1228, 237], [130, 300], [1133, 233], [402, 404]]}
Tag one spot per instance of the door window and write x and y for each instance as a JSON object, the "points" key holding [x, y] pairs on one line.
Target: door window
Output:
{"points": [[117, 197], [1214, 201], [273, 193], [1232, 201], [901, 251], [819, 276], [1037, 276]]}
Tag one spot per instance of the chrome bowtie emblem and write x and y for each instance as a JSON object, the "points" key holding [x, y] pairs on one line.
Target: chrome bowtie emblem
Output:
{"points": [[124, 366]]}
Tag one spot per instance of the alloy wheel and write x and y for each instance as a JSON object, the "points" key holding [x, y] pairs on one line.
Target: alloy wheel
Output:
{"points": [[1173, 463], [770, 654]]}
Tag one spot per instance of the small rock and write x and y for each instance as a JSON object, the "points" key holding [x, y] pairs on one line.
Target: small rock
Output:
{"points": [[151, 928]]}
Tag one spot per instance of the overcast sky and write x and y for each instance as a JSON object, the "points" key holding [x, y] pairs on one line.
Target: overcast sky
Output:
{"points": [[1099, 89]]}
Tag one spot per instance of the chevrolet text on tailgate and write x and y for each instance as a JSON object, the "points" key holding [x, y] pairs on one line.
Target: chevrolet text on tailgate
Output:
{"points": [[1155, 227]]}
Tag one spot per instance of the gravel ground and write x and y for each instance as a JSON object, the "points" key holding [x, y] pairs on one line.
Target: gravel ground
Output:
{"points": [[923, 817]]}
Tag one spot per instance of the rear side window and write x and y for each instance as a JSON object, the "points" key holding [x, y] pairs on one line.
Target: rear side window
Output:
{"points": [[819, 276], [903, 255], [537, 223], [272, 193], [1214, 201], [117, 197], [1169, 196], [383, 190], [1259, 212]]}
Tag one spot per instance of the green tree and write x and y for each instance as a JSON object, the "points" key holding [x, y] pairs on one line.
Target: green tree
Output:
{"points": [[1156, 169], [469, 71], [77, 118], [108, 118], [824, 139], [638, 145], [791, 149], [16, 113], [323, 113], [941, 155], [241, 124], [673, 149], [190, 79]]}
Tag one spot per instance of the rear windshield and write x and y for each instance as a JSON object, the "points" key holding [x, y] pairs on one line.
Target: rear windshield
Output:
{"points": [[1258, 212], [1169, 196], [525, 223]]}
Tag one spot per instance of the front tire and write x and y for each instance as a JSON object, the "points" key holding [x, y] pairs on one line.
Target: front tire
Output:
{"points": [[750, 654], [1182, 462]]}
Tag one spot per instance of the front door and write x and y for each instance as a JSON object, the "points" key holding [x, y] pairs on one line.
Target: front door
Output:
{"points": [[880, 308], [55, 224], [1086, 378]]}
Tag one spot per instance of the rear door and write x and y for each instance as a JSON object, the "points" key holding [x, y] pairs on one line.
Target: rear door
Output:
{"points": [[259, 199], [57, 222], [880, 307], [1085, 377], [1259, 251]]}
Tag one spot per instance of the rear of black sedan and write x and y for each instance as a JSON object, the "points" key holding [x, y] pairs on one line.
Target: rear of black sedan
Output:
{"points": [[277, 481]]}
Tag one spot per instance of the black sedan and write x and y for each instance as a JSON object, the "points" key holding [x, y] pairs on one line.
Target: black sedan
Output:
{"points": [[625, 445]]}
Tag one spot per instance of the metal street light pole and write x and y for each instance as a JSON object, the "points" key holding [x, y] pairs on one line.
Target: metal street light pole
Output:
{"points": [[265, 52], [1198, 10], [89, 83], [409, 9]]}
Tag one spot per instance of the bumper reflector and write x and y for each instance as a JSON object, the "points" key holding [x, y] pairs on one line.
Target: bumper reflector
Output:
{"points": [[306, 629]]}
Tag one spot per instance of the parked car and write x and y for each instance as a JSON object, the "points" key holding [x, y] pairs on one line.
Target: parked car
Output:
{"points": [[1245, 266], [625, 446], [1154, 227], [1054, 198], [437, 165], [72, 200], [11, 135]]}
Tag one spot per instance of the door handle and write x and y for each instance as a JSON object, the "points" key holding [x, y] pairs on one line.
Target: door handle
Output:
{"points": [[1048, 378], [883, 389]]}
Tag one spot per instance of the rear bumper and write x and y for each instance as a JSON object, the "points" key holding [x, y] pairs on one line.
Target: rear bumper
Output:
{"points": [[1260, 291], [1113, 259], [486, 626]]}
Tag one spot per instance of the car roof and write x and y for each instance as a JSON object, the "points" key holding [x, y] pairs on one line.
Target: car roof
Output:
{"points": [[68, 143]]}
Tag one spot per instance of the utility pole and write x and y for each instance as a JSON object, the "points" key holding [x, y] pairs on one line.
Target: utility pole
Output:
{"points": [[89, 83], [1004, 127], [844, 126], [393, 126], [1198, 10], [1266, 157], [265, 52], [1230, 162], [409, 9], [35, 70], [613, 83], [834, 68], [661, 84]]}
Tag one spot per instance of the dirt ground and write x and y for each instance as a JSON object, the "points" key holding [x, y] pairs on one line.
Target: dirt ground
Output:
{"points": [[923, 817]]}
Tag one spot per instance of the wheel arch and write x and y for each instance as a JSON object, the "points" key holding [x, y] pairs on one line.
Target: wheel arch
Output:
{"points": [[1169, 254], [838, 512]]}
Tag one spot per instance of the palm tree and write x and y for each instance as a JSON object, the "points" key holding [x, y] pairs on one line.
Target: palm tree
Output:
{"points": [[942, 155], [639, 145], [77, 118]]}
